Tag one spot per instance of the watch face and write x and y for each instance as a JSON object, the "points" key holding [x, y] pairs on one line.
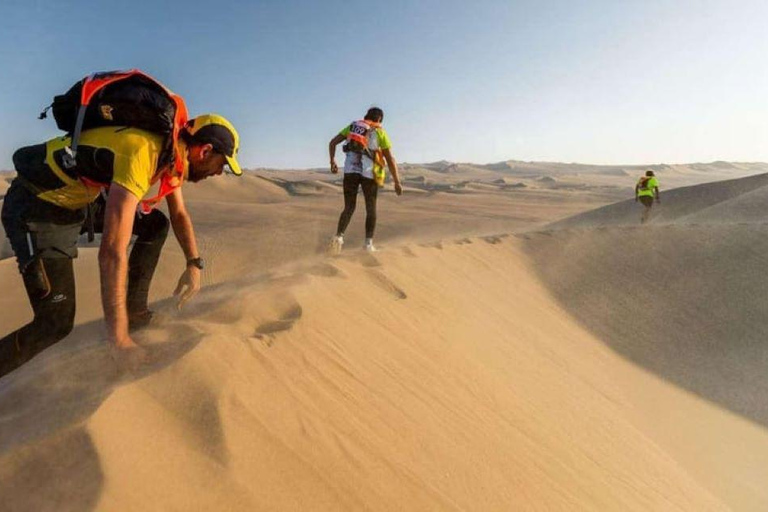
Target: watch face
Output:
{"points": [[197, 262]]}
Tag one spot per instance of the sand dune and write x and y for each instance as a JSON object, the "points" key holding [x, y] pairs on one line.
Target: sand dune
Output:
{"points": [[277, 393], [589, 365], [686, 304], [619, 179]]}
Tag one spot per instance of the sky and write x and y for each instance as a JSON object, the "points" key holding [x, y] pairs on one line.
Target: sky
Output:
{"points": [[619, 81]]}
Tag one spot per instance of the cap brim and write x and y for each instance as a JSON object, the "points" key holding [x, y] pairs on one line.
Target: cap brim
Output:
{"points": [[234, 166]]}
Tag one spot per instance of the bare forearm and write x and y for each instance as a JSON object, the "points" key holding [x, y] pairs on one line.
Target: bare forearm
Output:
{"points": [[113, 266], [185, 234], [392, 165], [332, 146]]}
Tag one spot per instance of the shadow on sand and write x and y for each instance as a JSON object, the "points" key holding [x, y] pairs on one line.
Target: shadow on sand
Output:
{"points": [[687, 303], [42, 409]]}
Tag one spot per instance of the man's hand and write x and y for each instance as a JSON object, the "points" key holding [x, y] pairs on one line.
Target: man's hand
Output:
{"points": [[124, 342], [338, 139], [658, 200], [398, 188], [190, 280], [129, 356], [185, 234]]}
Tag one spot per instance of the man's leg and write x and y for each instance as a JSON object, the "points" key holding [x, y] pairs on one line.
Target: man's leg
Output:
{"points": [[50, 285], [44, 252], [151, 231], [646, 208], [370, 192], [646, 211], [351, 184]]}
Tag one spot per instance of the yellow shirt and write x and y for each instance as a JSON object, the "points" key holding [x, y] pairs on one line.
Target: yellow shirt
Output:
{"points": [[646, 188], [126, 156]]}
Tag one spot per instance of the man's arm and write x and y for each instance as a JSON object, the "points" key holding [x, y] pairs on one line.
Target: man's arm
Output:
{"points": [[182, 224], [656, 191], [332, 151], [392, 165], [113, 263], [185, 234]]}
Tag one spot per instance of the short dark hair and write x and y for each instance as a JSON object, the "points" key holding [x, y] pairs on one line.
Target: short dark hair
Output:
{"points": [[649, 173], [374, 114]]}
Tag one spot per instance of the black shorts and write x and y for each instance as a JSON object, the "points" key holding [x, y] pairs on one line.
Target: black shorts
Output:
{"points": [[647, 201]]}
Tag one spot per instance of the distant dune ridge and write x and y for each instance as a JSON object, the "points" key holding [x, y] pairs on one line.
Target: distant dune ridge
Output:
{"points": [[584, 363], [731, 201]]}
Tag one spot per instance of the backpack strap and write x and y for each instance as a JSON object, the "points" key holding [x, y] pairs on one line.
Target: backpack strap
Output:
{"points": [[68, 160], [169, 182]]}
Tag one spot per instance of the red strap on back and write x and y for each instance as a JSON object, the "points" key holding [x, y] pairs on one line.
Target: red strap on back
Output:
{"points": [[362, 138], [93, 83], [168, 183], [171, 177]]}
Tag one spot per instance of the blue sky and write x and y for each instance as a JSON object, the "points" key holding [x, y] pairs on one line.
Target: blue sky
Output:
{"points": [[483, 81]]}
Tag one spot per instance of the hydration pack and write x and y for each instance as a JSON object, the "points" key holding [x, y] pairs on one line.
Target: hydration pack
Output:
{"points": [[357, 142], [131, 99], [357, 139], [121, 98]]}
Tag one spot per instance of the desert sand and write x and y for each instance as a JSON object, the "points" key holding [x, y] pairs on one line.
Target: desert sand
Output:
{"points": [[519, 343]]}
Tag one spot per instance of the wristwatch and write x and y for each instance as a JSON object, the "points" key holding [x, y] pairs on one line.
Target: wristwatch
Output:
{"points": [[196, 262]]}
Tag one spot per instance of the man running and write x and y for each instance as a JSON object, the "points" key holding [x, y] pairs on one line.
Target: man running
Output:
{"points": [[43, 214], [367, 146], [646, 190]]}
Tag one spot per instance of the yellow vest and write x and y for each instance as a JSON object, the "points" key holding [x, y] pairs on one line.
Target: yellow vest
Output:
{"points": [[135, 154]]}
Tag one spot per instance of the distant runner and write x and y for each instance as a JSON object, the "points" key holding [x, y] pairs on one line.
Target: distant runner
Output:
{"points": [[367, 147], [646, 190]]}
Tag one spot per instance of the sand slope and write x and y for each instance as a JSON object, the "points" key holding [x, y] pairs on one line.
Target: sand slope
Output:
{"points": [[688, 305], [426, 394], [684, 298]]}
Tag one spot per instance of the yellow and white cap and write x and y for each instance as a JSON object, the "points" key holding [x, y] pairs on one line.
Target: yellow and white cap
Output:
{"points": [[215, 130]]}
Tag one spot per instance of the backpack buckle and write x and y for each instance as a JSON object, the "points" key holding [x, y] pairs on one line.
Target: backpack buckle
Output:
{"points": [[69, 158]]}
